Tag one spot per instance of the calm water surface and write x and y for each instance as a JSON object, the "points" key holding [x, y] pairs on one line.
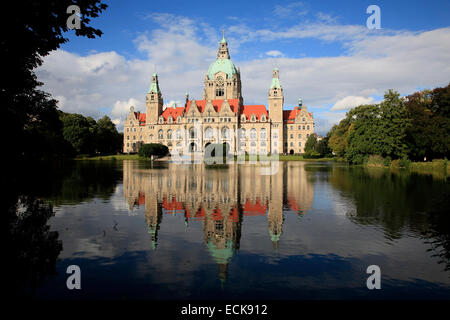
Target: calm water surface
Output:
{"points": [[167, 231]]}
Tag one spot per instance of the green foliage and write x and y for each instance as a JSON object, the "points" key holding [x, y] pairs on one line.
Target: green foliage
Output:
{"points": [[312, 155], [417, 126], [375, 161], [27, 38], [153, 149], [310, 144], [86, 136]]}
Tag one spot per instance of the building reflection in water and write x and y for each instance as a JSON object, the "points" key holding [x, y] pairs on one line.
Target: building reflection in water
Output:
{"points": [[219, 198]]}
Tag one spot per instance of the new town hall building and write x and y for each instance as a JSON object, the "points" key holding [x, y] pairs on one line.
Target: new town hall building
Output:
{"points": [[221, 117]]}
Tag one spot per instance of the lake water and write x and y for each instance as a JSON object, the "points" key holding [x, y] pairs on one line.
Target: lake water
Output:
{"points": [[166, 231]]}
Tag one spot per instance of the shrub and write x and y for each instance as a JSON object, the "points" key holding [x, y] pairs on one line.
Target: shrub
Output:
{"points": [[311, 155], [375, 161], [153, 149]]}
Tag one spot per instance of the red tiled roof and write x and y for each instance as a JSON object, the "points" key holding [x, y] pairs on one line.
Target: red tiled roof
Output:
{"points": [[174, 205], [141, 118], [174, 112], [257, 110], [256, 209], [290, 115], [217, 104], [141, 198]]}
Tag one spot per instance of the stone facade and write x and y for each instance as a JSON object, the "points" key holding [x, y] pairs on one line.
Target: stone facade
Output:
{"points": [[221, 117]]}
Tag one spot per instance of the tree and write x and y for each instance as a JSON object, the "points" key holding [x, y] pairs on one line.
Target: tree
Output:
{"points": [[30, 30], [310, 144], [80, 132], [108, 140], [153, 149]]}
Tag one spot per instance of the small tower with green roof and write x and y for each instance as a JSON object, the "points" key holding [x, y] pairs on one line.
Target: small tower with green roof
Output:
{"points": [[154, 101], [275, 102]]}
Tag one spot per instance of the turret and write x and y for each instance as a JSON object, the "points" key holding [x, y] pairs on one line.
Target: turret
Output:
{"points": [[154, 101], [275, 102]]}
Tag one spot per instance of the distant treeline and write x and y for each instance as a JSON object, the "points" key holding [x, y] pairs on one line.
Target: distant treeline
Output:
{"points": [[71, 134], [413, 127]]}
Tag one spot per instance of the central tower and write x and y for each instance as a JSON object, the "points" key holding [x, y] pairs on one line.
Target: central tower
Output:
{"points": [[223, 80]]}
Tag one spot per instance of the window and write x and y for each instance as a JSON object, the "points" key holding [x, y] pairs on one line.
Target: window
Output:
{"points": [[225, 133], [128, 137], [299, 135], [169, 135], [253, 133], [192, 133], [304, 119], [220, 92], [253, 118], [151, 137], [262, 133], [307, 135], [209, 133], [292, 144], [292, 136], [263, 118], [300, 144], [243, 118], [160, 135], [307, 127], [178, 134], [299, 127], [292, 127], [303, 127], [134, 129]]}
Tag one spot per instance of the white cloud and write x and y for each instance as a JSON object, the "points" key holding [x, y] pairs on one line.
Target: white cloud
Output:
{"points": [[274, 53], [351, 102], [182, 49], [293, 9]]}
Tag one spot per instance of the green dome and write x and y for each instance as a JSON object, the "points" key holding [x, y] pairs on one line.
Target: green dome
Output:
{"points": [[221, 255], [224, 65]]}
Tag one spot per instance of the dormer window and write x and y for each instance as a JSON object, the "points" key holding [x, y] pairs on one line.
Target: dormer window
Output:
{"points": [[179, 119], [170, 119], [243, 118], [161, 119], [253, 118], [263, 118]]}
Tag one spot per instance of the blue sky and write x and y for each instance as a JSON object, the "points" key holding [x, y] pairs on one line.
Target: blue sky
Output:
{"points": [[325, 53]]}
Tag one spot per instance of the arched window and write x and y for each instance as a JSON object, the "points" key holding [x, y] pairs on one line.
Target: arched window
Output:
{"points": [[169, 134], [170, 119], [253, 118], [225, 133], [253, 144], [209, 132], [263, 143], [243, 118], [263, 118], [178, 134], [160, 134], [242, 133], [192, 133], [253, 133], [262, 133], [151, 137], [179, 119]]}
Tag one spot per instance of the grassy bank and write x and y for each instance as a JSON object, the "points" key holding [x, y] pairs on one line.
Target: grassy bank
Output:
{"points": [[112, 157], [137, 157]]}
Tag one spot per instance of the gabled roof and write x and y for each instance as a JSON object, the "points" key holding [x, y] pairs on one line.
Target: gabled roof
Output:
{"points": [[257, 110], [174, 112], [217, 104], [141, 118], [254, 209]]}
